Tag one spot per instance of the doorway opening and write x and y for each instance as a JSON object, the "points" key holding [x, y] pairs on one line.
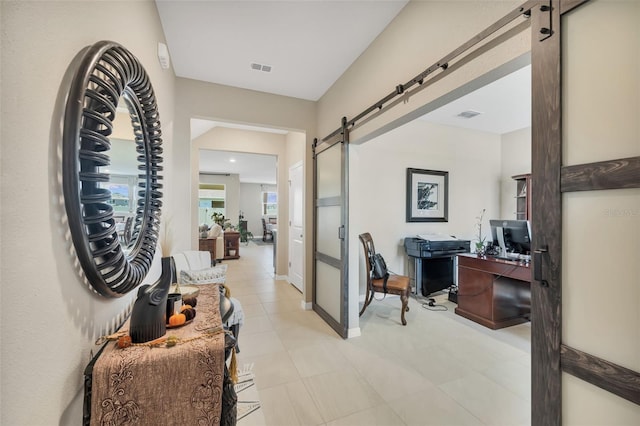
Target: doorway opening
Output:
{"points": [[252, 162]]}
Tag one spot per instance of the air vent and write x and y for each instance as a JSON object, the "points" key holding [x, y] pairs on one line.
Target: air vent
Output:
{"points": [[260, 67], [468, 114]]}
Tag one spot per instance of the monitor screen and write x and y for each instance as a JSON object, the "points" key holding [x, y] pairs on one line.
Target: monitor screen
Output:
{"points": [[516, 235]]}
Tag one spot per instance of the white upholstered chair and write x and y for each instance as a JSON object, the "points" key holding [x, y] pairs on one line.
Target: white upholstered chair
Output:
{"points": [[193, 260], [217, 232]]}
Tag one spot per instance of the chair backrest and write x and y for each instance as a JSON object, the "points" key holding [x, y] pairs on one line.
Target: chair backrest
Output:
{"points": [[264, 225], [369, 251], [191, 260]]}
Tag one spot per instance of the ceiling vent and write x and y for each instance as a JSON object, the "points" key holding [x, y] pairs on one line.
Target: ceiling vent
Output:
{"points": [[468, 114], [260, 67]]}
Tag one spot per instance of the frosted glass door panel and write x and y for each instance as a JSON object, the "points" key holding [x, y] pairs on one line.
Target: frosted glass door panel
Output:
{"points": [[328, 289], [590, 405], [328, 221], [600, 118], [591, 220], [329, 170]]}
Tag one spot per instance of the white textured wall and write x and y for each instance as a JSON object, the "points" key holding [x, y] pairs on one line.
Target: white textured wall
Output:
{"points": [[50, 319], [296, 145], [377, 191], [516, 160]]}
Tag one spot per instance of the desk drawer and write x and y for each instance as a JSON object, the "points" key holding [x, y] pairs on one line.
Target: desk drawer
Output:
{"points": [[504, 268]]}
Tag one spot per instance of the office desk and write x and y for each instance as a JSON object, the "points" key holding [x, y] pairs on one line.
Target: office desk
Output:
{"points": [[493, 292], [179, 385]]}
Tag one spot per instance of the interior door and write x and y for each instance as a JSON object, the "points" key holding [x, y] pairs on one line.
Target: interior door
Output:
{"points": [[330, 230], [296, 222], [586, 228]]}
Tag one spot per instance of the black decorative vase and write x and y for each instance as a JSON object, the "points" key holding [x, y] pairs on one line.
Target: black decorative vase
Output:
{"points": [[149, 309]]}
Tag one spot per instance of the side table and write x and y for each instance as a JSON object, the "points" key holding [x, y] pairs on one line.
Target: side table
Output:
{"points": [[231, 245]]}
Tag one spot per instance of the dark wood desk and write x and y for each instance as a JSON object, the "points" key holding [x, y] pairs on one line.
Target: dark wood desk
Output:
{"points": [[493, 292]]}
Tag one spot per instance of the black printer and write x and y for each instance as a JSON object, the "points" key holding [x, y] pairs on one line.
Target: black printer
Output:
{"points": [[434, 260], [419, 247]]}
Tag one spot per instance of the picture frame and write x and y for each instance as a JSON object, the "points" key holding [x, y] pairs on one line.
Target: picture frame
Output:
{"points": [[427, 195]]}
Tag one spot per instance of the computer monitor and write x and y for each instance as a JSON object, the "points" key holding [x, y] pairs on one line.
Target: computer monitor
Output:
{"points": [[512, 236]]}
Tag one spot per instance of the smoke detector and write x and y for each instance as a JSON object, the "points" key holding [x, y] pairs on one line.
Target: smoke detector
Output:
{"points": [[260, 67]]}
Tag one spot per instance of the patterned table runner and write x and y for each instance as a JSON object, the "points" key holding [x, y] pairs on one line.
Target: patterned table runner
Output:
{"points": [[181, 384]]}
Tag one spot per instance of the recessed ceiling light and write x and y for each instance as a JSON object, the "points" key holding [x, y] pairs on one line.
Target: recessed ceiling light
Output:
{"points": [[468, 114], [232, 160]]}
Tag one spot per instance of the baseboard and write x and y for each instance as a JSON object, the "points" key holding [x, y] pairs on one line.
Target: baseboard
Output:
{"points": [[307, 306], [282, 278], [353, 332]]}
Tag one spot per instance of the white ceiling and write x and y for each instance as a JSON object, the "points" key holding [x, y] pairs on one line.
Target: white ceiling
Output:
{"points": [[252, 168], [199, 127], [308, 43], [505, 106]]}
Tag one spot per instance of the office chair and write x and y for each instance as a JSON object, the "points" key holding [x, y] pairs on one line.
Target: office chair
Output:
{"points": [[396, 284]]}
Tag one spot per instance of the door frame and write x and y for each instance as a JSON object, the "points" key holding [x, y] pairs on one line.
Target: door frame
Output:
{"points": [[298, 165]]}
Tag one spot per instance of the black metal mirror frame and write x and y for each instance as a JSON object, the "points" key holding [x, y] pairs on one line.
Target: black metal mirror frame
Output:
{"points": [[107, 71]]}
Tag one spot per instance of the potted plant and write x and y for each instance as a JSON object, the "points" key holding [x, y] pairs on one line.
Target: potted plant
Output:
{"points": [[218, 218], [480, 239]]}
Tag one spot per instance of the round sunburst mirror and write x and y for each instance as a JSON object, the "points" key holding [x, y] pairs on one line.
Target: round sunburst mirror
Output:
{"points": [[107, 75]]}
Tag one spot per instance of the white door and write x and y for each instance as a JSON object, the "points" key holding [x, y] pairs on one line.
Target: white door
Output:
{"points": [[296, 219]]}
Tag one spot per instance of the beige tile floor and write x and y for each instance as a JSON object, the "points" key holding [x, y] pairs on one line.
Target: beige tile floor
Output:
{"points": [[440, 369]]}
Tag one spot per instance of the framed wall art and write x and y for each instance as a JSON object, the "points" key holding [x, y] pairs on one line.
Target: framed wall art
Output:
{"points": [[427, 195]]}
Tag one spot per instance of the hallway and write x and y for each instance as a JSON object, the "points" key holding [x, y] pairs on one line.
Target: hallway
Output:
{"points": [[440, 369]]}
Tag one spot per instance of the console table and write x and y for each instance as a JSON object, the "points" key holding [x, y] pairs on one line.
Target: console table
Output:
{"points": [[493, 292], [182, 384], [208, 244]]}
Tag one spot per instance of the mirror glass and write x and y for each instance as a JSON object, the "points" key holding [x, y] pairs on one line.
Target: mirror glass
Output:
{"points": [[123, 174]]}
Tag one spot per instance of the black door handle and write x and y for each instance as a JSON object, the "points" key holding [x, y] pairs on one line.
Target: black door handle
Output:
{"points": [[537, 266]]}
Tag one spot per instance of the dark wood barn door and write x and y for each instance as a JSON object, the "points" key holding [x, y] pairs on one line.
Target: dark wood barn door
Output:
{"points": [[586, 225]]}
